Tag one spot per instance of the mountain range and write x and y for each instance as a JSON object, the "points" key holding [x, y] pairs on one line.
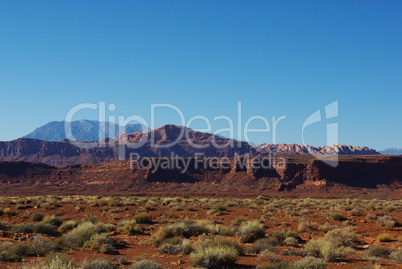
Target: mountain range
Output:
{"points": [[84, 130], [154, 143], [392, 151]]}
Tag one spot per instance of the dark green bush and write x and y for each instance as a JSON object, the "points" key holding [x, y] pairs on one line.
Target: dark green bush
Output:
{"points": [[141, 218], [36, 217]]}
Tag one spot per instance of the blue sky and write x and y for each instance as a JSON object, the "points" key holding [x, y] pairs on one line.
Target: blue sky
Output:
{"points": [[277, 58]]}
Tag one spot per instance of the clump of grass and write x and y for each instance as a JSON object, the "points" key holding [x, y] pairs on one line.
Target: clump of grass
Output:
{"points": [[396, 256], [184, 228], [3, 225], [327, 227], [42, 228], [97, 264], [276, 265], [387, 221], [79, 235], [218, 210], [68, 226], [54, 261], [101, 243], [92, 219], [384, 238], [204, 242], [182, 246], [250, 231], [146, 264], [236, 223], [23, 228], [37, 217], [214, 257], [304, 226], [130, 227], [291, 241], [327, 250], [337, 216], [341, 237], [269, 255], [309, 262], [377, 252], [141, 218], [52, 220], [278, 237]]}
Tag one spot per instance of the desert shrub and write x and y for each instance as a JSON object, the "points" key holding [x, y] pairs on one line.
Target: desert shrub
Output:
{"points": [[36, 217], [278, 237], [184, 228], [218, 210], [107, 227], [167, 201], [97, 264], [387, 221], [305, 226], [250, 231], [23, 228], [142, 218], [260, 245], [11, 253], [341, 237], [275, 265], [337, 216], [68, 226], [390, 208], [61, 259], [130, 227], [269, 255], [310, 263], [327, 227], [3, 225], [170, 249], [291, 241], [45, 228], [205, 242], [40, 245], [236, 223], [52, 220], [101, 243], [396, 256], [377, 252], [54, 262], [327, 250], [214, 257], [146, 264], [176, 246], [79, 235], [222, 230], [384, 238], [32, 228], [120, 260], [92, 219], [8, 211]]}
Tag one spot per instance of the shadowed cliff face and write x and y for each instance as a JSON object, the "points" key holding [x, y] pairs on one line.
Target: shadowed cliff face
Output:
{"points": [[302, 174]]}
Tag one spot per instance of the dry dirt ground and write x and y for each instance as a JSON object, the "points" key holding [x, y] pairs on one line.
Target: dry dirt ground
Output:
{"points": [[302, 216]]}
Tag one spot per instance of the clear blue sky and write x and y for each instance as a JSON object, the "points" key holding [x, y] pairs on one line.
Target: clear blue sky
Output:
{"points": [[276, 57]]}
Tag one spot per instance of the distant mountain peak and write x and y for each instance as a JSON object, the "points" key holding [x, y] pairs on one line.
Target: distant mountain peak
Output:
{"points": [[392, 151], [83, 130]]}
